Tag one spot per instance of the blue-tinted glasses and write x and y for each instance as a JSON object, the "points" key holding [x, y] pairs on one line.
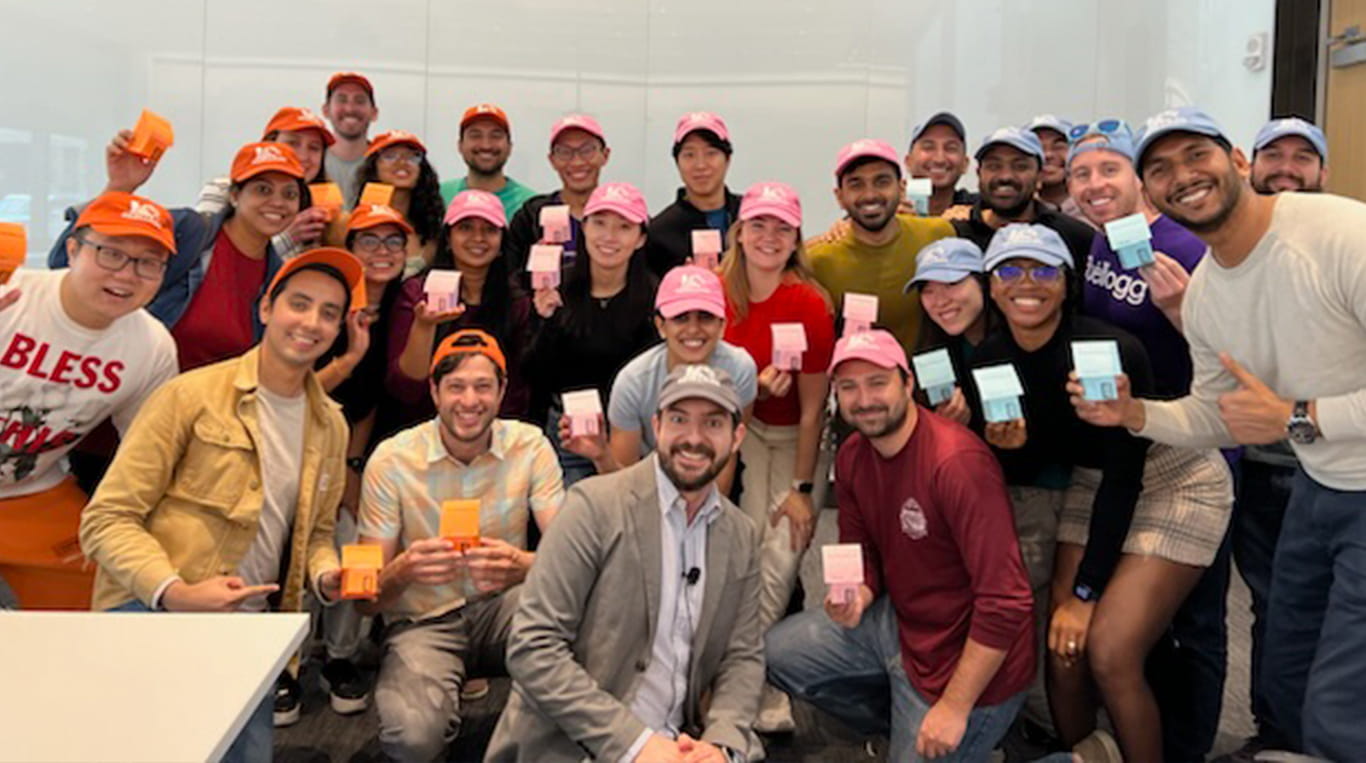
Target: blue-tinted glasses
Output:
{"points": [[1103, 127], [1036, 273]]}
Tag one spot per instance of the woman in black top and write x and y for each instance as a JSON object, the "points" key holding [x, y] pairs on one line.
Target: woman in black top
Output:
{"points": [[1123, 564]]}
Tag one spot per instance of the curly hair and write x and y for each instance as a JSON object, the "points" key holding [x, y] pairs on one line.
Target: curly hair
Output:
{"points": [[426, 208]]}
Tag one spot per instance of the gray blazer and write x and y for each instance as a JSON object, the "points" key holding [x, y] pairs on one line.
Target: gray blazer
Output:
{"points": [[581, 639]]}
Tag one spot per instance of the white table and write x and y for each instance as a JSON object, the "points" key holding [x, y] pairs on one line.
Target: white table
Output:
{"points": [[137, 686]]}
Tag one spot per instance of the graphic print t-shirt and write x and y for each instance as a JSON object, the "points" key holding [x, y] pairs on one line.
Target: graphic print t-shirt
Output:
{"points": [[59, 379]]}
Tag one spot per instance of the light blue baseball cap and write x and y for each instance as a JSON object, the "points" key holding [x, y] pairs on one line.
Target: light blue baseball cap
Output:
{"points": [[1016, 137], [1181, 119], [1036, 242], [946, 260], [1280, 128], [1049, 122], [1102, 135]]}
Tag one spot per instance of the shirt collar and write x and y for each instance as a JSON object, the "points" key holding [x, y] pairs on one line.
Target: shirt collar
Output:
{"points": [[670, 499], [436, 449]]}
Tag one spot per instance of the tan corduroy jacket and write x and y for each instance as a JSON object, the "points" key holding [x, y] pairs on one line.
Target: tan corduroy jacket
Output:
{"points": [[184, 495]]}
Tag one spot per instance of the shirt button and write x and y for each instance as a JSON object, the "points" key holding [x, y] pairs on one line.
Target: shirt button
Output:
{"points": [[641, 665], [254, 485]]}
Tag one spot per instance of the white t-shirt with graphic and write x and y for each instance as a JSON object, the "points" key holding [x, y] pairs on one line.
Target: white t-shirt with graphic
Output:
{"points": [[58, 379]]}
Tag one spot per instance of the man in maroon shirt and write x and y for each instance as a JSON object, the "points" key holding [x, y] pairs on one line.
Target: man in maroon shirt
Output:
{"points": [[944, 587]]}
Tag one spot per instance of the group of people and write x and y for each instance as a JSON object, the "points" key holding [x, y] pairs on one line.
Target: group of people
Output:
{"points": [[650, 431]]}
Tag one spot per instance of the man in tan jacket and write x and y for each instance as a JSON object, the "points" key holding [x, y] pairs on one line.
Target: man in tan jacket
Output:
{"points": [[225, 489]]}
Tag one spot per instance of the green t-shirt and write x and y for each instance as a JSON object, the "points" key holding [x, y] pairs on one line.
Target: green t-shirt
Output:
{"points": [[513, 195]]}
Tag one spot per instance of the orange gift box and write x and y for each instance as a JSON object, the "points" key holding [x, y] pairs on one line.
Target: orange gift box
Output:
{"points": [[152, 136], [327, 196], [460, 523], [361, 563], [13, 249], [377, 193]]}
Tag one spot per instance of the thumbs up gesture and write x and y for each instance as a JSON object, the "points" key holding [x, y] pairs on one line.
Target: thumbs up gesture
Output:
{"points": [[1253, 413]]}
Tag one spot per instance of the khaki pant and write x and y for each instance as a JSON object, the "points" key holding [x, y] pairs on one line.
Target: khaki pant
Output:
{"points": [[770, 456]]}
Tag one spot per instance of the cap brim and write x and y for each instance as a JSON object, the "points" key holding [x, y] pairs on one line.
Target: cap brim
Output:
{"points": [[782, 214], [487, 217], [868, 354], [351, 268], [729, 404], [678, 307], [368, 224], [165, 239], [938, 275], [942, 118], [1028, 253], [254, 171]]}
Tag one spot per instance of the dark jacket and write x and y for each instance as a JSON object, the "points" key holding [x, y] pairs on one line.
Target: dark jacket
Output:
{"points": [[524, 231], [670, 240]]}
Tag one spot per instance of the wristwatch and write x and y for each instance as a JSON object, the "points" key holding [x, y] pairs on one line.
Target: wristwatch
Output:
{"points": [[356, 464], [1301, 427], [1085, 592], [805, 488]]}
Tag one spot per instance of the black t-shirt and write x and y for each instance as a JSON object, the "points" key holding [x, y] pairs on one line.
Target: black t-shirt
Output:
{"points": [[670, 240], [1056, 437], [1075, 233], [361, 392]]}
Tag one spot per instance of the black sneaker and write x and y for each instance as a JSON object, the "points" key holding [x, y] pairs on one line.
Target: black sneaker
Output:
{"points": [[347, 685], [286, 700]]}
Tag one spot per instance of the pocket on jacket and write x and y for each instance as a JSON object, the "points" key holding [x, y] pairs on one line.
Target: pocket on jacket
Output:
{"points": [[218, 467]]}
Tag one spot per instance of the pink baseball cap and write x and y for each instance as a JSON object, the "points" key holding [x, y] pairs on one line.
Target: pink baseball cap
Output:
{"points": [[481, 204], [700, 120], [865, 147], [687, 288], [876, 346], [577, 122], [772, 198], [622, 198]]}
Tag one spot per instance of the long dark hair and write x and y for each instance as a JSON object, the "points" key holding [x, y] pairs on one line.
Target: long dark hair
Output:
{"points": [[426, 208], [578, 289], [496, 299], [931, 335]]}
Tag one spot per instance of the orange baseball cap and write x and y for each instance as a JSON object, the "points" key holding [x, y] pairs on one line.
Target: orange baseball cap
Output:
{"points": [[394, 138], [116, 213], [294, 119], [351, 269], [341, 78], [366, 216], [256, 158], [485, 111], [470, 342]]}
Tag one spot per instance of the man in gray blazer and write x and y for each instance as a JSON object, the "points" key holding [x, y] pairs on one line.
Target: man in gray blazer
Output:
{"points": [[637, 635]]}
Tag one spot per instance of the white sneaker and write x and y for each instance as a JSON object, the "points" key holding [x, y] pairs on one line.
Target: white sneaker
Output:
{"points": [[775, 713], [1098, 747]]}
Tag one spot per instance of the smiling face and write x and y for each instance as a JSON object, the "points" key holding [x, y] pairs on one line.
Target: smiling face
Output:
{"points": [[475, 242], [1054, 157], [870, 193], [400, 165], [768, 243], [103, 294], [383, 250], [1032, 299], [303, 320], [938, 154], [309, 146], [485, 146], [611, 239], [1194, 180], [872, 399], [692, 336], [1104, 185], [578, 157], [954, 307], [350, 111], [1009, 178], [467, 398], [694, 439], [702, 166], [268, 202], [1288, 164]]}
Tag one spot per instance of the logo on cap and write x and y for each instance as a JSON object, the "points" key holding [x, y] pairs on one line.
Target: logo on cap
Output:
{"points": [[699, 374], [863, 144], [1002, 133], [1164, 119], [484, 108], [769, 192], [696, 116], [615, 193], [572, 120], [481, 200], [861, 340], [936, 256], [143, 213], [1021, 234], [308, 115], [383, 211], [693, 283], [267, 153]]}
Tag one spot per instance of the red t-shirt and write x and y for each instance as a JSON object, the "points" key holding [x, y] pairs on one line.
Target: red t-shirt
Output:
{"points": [[217, 324], [794, 301], [938, 537]]}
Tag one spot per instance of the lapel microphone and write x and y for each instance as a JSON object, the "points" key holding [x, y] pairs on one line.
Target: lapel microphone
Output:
{"points": [[692, 575]]}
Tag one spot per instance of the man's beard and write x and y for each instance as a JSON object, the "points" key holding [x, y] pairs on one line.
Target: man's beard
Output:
{"points": [[894, 422], [1264, 188], [1232, 186], [1009, 213], [684, 484], [455, 433]]}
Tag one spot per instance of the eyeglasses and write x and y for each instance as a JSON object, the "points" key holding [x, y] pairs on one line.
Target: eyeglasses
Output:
{"points": [[566, 153], [114, 260], [371, 242], [401, 155], [1103, 127], [1042, 274]]}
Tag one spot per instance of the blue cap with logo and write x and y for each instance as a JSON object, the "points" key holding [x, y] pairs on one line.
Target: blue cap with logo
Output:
{"points": [[1181, 119], [1049, 122], [1031, 240], [1104, 134], [1280, 128], [946, 260], [1017, 138]]}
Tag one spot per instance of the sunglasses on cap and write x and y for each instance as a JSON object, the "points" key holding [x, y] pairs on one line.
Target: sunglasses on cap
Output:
{"points": [[1103, 127], [1043, 274]]}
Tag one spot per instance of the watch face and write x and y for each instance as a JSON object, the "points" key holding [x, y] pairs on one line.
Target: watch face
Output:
{"points": [[1303, 431]]}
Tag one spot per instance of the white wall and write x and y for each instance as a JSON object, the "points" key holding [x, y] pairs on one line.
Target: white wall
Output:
{"points": [[795, 79]]}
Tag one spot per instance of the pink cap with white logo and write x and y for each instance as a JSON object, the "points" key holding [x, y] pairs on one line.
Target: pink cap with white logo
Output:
{"points": [[772, 198], [474, 203], [877, 346], [577, 122], [687, 288], [865, 147], [622, 198], [700, 120]]}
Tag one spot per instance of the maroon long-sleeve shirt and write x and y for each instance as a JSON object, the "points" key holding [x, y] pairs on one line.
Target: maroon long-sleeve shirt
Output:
{"points": [[938, 537]]}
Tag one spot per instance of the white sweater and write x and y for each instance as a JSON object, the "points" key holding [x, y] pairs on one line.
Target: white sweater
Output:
{"points": [[1294, 315]]}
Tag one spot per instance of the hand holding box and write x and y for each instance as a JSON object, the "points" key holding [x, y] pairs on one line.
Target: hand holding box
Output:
{"points": [[789, 342], [706, 248], [1098, 367], [1000, 389], [934, 371], [378, 194], [327, 197], [460, 523], [555, 224], [842, 564], [442, 289], [584, 409], [361, 563], [13, 249], [544, 265], [918, 192], [151, 136], [1131, 239]]}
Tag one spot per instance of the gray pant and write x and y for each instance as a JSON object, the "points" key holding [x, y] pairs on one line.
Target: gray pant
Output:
{"points": [[1036, 523], [426, 662]]}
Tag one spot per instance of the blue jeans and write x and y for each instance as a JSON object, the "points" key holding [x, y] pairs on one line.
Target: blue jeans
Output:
{"points": [[856, 675], [256, 741], [1314, 660], [1263, 492]]}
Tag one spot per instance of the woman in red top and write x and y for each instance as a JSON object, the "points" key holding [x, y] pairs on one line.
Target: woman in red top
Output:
{"points": [[769, 283]]}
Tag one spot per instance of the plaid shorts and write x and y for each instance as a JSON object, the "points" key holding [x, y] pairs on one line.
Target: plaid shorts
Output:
{"points": [[1181, 515]]}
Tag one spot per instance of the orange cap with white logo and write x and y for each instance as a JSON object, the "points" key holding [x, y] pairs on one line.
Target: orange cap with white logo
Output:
{"points": [[256, 158], [116, 213]]}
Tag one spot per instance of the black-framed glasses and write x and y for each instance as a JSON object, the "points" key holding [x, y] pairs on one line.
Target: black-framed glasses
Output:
{"points": [[114, 260], [566, 153], [1102, 127], [1037, 273], [371, 242]]}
